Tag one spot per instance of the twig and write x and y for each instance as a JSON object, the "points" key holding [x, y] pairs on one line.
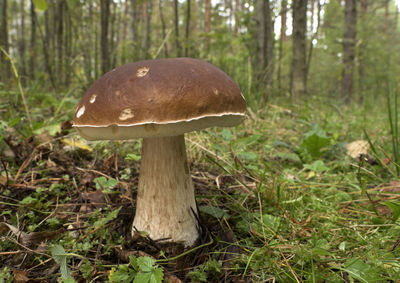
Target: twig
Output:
{"points": [[242, 165], [41, 263], [395, 245], [50, 215], [30, 250], [11, 252], [186, 252], [94, 171], [24, 165], [162, 44], [288, 265]]}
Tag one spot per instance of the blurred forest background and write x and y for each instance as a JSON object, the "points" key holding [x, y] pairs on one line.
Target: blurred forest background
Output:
{"points": [[341, 49]]}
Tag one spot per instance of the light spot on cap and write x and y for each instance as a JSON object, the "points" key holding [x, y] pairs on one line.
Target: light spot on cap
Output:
{"points": [[117, 92], [142, 71], [126, 114], [93, 98], [80, 111], [215, 91]]}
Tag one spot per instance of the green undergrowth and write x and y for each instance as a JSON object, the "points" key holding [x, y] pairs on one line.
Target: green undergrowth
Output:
{"points": [[305, 210], [295, 206]]}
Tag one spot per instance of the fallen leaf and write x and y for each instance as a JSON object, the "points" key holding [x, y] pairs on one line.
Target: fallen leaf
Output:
{"points": [[3, 180], [357, 148], [32, 238], [232, 249], [50, 163], [94, 200], [87, 179], [310, 175], [383, 210], [172, 278], [43, 137], [76, 143], [42, 248], [20, 276], [5, 227], [96, 197]]}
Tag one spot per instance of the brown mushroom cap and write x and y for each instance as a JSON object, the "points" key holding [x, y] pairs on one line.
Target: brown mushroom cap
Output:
{"points": [[162, 97]]}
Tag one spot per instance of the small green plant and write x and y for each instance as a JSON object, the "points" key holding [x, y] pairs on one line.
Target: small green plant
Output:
{"points": [[314, 141], [209, 271], [100, 222], [87, 269], [5, 275], [60, 256], [317, 166], [140, 270], [105, 185]]}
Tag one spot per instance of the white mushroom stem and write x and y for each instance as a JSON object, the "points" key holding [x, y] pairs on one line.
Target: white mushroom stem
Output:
{"points": [[165, 197]]}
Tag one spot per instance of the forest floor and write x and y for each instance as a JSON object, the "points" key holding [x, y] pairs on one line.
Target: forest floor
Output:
{"points": [[280, 197]]}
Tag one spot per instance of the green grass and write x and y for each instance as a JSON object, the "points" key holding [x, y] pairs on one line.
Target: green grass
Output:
{"points": [[300, 209]]}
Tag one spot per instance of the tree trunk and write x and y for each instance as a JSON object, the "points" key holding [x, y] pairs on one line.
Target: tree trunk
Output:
{"points": [[314, 35], [194, 18], [59, 35], [114, 36], [362, 49], [228, 7], [122, 57], [265, 46], [46, 42], [134, 22], [298, 72], [5, 74], [104, 17], [386, 23], [32, 53], [68, 43], [177, 40], [163, 33], [21, 46], [187, 43], [396, 22], [97, 51], [236, 17], [146, 35], [284, 11], [349, 49], [88, 51], [282, 38], [207, 23]]}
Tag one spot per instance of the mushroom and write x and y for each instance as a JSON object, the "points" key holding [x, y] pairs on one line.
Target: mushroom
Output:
{"points": [[159, 101]]}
